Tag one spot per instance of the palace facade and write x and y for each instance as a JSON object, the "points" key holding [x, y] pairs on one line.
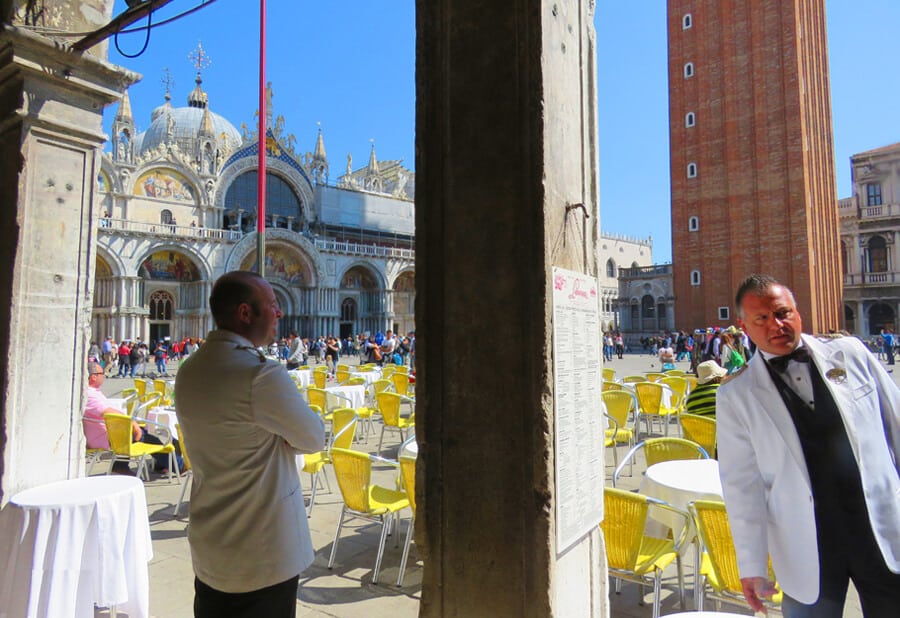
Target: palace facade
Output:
{"points": [[870, 237], [178, 209]]}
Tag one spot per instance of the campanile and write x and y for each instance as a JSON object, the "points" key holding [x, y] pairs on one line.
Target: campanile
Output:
{"points": [[752, 162]]}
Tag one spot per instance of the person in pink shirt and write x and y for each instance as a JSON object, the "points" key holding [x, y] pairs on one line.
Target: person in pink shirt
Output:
{"points": [[95, 428], [97, 405]]}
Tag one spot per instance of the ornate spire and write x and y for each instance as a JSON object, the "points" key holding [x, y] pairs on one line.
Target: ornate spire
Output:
{"points": [[206, 126], [200, 60], [372, 169], [124, 113], [319, 153]]}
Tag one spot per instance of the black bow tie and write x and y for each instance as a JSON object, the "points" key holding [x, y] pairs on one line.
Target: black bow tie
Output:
{"points": [[780, 363]]}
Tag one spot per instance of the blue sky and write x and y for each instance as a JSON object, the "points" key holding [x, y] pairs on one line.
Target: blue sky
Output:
{"points": [[351, 67]]}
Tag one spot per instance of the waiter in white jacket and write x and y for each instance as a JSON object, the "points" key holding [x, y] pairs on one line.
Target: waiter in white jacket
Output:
{"points": [[809, 444], [243, 422]]}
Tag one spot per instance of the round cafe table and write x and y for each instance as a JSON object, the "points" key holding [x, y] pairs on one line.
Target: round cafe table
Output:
{"points": [[678, 483], [71, 545]]}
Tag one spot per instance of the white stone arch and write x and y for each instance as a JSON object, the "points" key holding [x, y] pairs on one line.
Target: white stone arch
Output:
{"points": [[197, 184], [282, 290], [380, 280], [248, 244], [295, 180], [407, 269], [115, 262], [109, 167], [202, 264]]}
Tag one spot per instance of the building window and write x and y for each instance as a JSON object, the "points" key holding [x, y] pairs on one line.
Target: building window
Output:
{"points": [[695, 277], [161, 304], [844, 257], [687, 21], [281, 200], [165, 216], [873, 194], [878, 255], [724, 313], [635, 316], [610, 268], [693, 224], [690, 119], [692, 170], [348, 310], [648, 308], [688, 70]]}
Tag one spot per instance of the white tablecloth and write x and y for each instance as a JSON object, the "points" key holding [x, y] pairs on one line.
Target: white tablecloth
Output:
{"points": [[301, 376], [70, 545], [679, 482], [368, 376], [164, 416], [349, 396]]}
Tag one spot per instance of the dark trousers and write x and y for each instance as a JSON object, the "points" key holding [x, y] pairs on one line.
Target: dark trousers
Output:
{"points": [[278, 601], [850, 554]]}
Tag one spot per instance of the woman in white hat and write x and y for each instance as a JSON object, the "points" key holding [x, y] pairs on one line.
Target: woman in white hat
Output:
{"points": [[702, 399]]}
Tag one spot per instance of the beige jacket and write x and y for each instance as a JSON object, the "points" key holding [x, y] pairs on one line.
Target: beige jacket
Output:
{"points": [[243, 422]]}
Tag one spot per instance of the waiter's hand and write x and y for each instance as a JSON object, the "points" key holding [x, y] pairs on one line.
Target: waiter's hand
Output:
{"points": [[756, 587]]}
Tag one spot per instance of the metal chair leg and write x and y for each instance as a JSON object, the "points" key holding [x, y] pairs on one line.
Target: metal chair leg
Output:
{"points": [[337, 535], [409, 534], [657, 589], [384, 529]]}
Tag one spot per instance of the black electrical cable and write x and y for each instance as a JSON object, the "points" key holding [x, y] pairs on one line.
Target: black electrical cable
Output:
{"points": [[203, 5], [146, 39]]}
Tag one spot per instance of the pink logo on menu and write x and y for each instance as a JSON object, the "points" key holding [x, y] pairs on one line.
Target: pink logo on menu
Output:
{"points": [[559, 282], [577, 291]]}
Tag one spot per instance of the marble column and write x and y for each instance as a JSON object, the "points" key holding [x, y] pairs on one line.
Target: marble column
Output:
{"points": [[50, 137]]}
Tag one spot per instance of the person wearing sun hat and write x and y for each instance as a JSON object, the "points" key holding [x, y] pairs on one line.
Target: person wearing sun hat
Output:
{"points": [[702, 400]]}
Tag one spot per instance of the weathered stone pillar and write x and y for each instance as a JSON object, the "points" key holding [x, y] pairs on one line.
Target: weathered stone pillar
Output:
{"points": [[50, 134], [505, 142]]}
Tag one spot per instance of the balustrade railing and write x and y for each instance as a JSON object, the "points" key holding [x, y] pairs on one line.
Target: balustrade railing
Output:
{"points": [[167, 229], [858, 279], [325, 244], [338, 246]]}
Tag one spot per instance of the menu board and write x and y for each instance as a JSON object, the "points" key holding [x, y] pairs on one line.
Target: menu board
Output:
{"points": [[579, 408]]}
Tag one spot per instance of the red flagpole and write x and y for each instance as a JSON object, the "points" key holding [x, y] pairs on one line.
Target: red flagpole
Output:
{"points": [[261, 173]]}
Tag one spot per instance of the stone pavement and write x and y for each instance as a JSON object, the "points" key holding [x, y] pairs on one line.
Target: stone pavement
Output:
{"points": [[348, 589]]}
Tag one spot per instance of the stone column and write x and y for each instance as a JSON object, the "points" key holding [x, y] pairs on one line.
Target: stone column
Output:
{"points": [[505, 141], [50, 136]]}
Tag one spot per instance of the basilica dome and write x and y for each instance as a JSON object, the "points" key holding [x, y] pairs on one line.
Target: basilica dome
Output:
{"points": [[183, 126]]}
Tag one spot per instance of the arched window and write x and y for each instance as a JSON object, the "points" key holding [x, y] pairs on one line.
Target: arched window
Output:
{"points": [[610, 268], [690, 119], [880, 316], [648, 307], [693, 224], [161, 304], [688, 70], [348, 310], [281, 201], [878, 255], [687, 21], [695, 277], [165, 216], [691, 170]]}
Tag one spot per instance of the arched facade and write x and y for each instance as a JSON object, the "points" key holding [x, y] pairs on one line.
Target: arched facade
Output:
{"points": [[181, 208]]}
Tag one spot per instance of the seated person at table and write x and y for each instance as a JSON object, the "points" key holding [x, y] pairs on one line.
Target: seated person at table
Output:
{"points": [[95, 428], [702, 400]]}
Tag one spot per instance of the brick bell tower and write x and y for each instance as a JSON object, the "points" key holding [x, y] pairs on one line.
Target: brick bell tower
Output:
{"points": [[752, 162]]}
